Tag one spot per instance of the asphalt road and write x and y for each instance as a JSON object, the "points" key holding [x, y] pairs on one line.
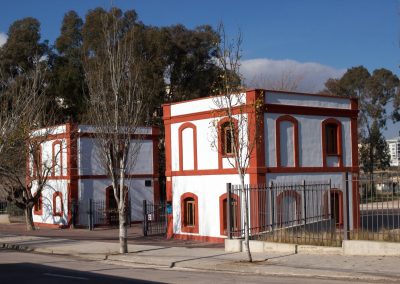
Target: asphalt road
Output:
{"points": [[19, 267]]}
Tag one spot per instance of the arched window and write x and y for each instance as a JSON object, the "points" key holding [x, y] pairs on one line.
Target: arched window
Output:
{"points": [[333, 206], [288, 208], [187, 147], [58, 207], [57, 158], [235, 213], [38, 207], [189, 213], [332, 143], [36, 159], [287, 142], [227, 137]]}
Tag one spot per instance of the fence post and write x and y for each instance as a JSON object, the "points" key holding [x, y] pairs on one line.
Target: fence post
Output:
{"points": [[73, 213], [305, 202], [90, 215], [346, 207], [144, 218], [272, 199], [228, 211], [129, 212]]}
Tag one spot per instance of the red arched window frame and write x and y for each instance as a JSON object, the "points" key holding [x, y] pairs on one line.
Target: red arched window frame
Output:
{"points": [[279, 200], [56, 195], [222, 216], [181, 128], [337, 199], [36, 155], [221, 139], [185, 198], [339, 147], [295, 139], [57, 158], [38, 207]]}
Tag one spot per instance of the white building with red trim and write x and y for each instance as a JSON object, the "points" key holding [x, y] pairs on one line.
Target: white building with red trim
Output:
{"points": [[77, 174], [310, 137]]}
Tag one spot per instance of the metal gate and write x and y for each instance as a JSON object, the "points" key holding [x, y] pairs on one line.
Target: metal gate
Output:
{"points": [[154, 218]]}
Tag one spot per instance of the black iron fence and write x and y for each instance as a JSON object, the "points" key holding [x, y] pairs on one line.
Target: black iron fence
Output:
{"points": [[360, 208], [94, 213], [3, 207], [154, 218], [379, 208], [296, 213], [10, 208]]}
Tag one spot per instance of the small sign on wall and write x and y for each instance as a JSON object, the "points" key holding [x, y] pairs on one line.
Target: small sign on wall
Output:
{"points": [[169, 208]]}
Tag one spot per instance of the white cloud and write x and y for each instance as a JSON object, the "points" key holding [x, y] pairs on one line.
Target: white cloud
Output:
{"points": [[287, 74], [3, 38]]}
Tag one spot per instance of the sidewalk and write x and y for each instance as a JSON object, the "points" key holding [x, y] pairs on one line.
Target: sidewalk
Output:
{"points": [[382, 269]]}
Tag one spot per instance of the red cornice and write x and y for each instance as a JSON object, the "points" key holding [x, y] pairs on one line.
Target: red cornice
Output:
{"points": [[307, 110]]}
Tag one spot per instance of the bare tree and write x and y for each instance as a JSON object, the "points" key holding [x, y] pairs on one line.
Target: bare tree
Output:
{"points": [[230, 103], [287, 80], [117, 105], [24, 106]]}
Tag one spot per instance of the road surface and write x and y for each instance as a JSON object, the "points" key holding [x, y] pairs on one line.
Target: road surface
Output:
{"points": [[22, 267]]}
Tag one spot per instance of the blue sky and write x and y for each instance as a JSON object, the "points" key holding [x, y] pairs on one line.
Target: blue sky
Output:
{"points": [[313, 39]]}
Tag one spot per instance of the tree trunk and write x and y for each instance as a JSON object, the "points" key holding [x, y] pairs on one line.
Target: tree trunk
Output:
{"points": [[123, 232], [246, 218], [29, 218]]}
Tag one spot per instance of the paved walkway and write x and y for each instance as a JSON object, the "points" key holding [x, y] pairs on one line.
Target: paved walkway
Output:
{"points": [[381, 269]]}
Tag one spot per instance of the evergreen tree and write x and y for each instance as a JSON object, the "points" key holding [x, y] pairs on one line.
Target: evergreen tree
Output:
{"points": [[67, 80], [373, 91], [374, 151]]}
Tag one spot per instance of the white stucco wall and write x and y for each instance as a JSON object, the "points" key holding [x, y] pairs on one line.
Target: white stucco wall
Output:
{"points": [[59, 129], [47, 216], [310, 139], [207, 143], [201, 105], [208, 190], [90, 161], [60, 154], [306, 100]]}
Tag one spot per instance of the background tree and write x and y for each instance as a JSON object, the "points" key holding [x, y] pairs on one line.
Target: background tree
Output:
{"points": [[24, 106], [287, 81], [113, 74], [190, 69], [374, 91], [67, 83], [374, 151], [22, 48]]}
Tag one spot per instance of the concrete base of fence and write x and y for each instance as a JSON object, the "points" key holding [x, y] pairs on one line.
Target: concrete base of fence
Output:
{"points": [[233, 245], [4, 219], [371, 248], [367, 248], [306, 249]]}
